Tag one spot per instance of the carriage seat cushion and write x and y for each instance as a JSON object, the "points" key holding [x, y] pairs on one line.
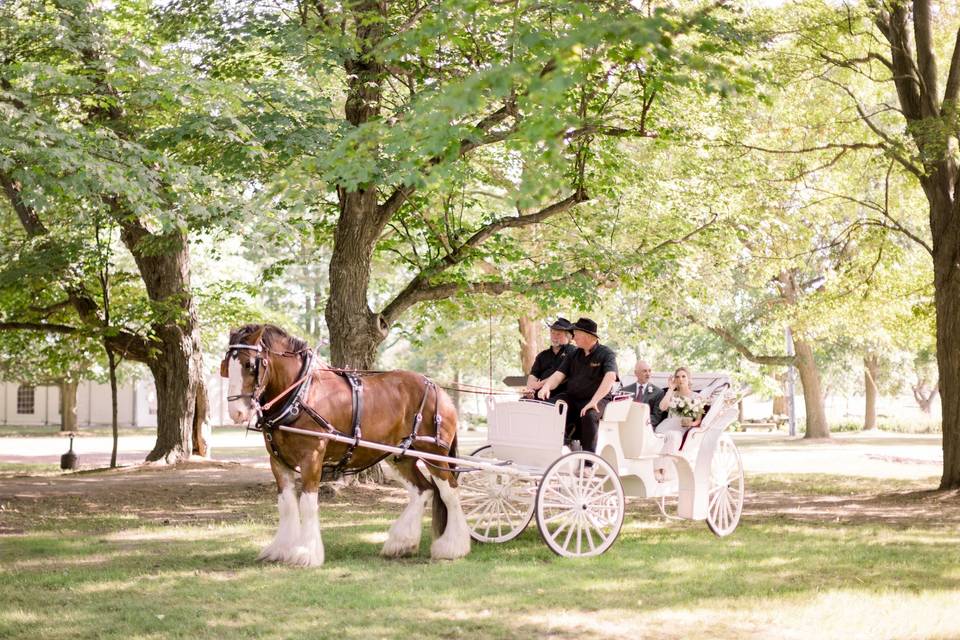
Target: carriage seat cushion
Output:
{"points": [[637, 437]]}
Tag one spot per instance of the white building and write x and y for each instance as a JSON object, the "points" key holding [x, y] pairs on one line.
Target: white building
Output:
{"points": [[136, 404]]}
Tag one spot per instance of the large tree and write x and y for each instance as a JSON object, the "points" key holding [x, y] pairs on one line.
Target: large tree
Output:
{"points": [[84, 106], [897, 64], [423, 136]]}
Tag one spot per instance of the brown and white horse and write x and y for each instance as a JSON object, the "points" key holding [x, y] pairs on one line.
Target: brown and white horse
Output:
{"points": [[263, 361]]}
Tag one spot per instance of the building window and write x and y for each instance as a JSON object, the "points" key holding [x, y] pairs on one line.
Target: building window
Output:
{"points": [[25, 400]]}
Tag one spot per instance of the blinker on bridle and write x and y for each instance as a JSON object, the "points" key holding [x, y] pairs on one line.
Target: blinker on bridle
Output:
{"points": [[233, 351]]}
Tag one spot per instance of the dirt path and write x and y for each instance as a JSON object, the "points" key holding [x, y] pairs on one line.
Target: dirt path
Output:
{"points": [[865, 454], [212, 492]]}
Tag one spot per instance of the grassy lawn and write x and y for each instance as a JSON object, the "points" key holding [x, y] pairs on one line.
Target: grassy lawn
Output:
{"points": [[151, 559], [21, 468], [53, 430]]}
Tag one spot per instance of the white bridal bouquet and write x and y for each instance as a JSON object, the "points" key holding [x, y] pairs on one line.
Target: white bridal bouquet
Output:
{"points": [[687, 409]]}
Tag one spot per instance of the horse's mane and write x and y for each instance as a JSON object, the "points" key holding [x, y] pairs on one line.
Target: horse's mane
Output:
{"points": [[273, 338]]}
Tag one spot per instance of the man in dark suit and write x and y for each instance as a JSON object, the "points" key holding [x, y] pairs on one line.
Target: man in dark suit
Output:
{"points": [[644, 391]]}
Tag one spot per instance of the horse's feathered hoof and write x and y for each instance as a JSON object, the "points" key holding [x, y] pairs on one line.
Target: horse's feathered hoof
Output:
{"points": [[271, 553], [399, 549], [306, 557], [450, 547]]}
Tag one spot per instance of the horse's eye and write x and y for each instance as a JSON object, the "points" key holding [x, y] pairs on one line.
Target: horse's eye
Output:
{"points": [[248, 366]]}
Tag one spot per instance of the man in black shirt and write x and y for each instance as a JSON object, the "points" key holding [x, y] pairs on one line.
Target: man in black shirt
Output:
{"points": [[548, 360], [589, 373]]}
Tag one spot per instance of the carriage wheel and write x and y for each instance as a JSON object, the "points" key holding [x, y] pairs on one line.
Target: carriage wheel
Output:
{"points": [[579, 507], [726, 488], [498, 506]]}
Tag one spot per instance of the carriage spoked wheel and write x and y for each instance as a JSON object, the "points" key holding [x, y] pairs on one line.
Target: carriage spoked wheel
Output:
{"points": [[498, 506], [726, 488], [580, 507]]}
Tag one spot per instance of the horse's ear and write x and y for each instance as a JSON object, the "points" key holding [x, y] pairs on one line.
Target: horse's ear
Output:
{"points": [[258, 334], [224, 371]]}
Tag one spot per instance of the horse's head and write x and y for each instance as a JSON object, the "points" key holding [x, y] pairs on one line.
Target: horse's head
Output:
{"points": [[245, 364], [260, 357]]}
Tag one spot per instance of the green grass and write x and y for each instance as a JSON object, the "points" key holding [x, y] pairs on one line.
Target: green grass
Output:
{"points": [[823, 484], [21, 468], [79, 571], [53, 430], [893, 425]]}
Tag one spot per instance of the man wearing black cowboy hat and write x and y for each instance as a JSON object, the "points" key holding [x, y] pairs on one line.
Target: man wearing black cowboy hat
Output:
{"points": [[548, 360], [589, 373]]}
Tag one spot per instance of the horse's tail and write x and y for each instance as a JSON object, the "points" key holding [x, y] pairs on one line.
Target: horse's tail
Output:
{"points": [[439, 506]]}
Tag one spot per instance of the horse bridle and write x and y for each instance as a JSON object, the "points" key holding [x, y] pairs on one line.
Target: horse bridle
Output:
{"points": [[260, 365], [259, 382]]}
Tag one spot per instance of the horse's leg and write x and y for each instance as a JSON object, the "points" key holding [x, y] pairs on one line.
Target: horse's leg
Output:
{"points": [[404, 536], [454, 540], [286, 539], [309, 549]]}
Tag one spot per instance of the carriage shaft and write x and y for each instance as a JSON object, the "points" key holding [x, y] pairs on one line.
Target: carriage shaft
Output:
{"points": [[467, 461]]}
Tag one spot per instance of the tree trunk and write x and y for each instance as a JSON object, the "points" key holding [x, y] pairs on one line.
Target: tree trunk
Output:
{"points": [[780, 406], [114, 423], [923, 397], [68, 405], [871, 370], [805, 364], [177, 364], [947, 299], [455, 394], [529, 343], [201, 418], [817, 426], [914, 66], [355, 331], [179, 382]]}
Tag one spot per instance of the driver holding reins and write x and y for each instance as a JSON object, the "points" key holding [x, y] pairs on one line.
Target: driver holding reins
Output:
{"points": [[589, 373]]}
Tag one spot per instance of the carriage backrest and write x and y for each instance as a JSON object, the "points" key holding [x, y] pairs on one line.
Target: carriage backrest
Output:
{"points": [[716, 408], [528, 432], [704, 383], [636, 434], [721, 415]]}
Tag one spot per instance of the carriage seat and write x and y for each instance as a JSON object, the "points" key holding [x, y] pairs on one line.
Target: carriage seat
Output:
{"points": [[527, 432], [636, 435]]}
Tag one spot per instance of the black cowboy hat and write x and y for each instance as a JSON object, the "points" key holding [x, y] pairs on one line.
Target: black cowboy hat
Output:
{"points": [[562, 324], [587, 326]]}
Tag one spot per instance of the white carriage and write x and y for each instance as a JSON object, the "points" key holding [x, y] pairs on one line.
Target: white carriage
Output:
{"points": [[578, 498]]}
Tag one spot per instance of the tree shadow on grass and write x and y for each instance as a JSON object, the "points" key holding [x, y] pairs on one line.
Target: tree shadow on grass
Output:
{"points": [[111, 562]]}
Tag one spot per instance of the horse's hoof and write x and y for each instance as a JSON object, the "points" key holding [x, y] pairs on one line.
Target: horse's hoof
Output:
{"points": [[449, 549], [393, 549], [270, 554], [448, 555], [304, 557]]}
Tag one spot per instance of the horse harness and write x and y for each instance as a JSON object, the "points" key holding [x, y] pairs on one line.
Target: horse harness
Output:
{"points": [[269, 422]]}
